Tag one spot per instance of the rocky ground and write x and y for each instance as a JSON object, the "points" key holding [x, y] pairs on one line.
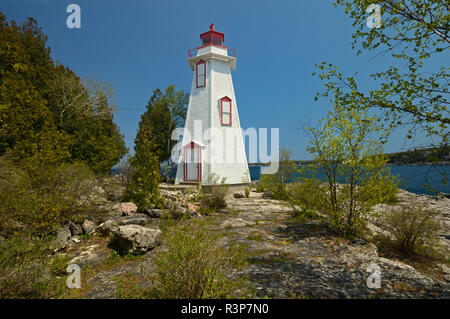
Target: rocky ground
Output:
{"points": [[288, 258]]}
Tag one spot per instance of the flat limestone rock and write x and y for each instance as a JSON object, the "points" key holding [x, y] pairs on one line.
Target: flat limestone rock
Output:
{"points": [[237, 222]]}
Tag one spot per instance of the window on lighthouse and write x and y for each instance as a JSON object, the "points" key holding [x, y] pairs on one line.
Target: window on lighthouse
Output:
{"points": [[225, 111], [200, 70]]}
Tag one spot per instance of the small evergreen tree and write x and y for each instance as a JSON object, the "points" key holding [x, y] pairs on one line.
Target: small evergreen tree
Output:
{"points": [[143, 189]]}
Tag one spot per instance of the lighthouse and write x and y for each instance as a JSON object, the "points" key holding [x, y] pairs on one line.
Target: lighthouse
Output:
{"points": [[212, 147]]}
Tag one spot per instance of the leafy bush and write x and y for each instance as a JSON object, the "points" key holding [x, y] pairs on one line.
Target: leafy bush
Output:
{"points": [[411, 227], [194, 266], [273, 183], [175, 211], [26, 271], [379, 188], [212, 196], [308, 198], [247, 192], [36, 203], [260, 186]]}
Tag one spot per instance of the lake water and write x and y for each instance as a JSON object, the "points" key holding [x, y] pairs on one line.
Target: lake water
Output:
{"points": [[412, 178]]}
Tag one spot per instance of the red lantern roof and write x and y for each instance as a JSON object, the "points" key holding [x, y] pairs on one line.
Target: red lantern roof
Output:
{"points": [[212, 37]]}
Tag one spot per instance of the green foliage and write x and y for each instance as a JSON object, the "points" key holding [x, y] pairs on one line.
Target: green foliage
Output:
{"points": [[82, 109], [342, 148], [379, 187], [422, 155], [308, 198], [37, 202], [26, 270], [212, 195], [195, 266], [174, 211], [143, 188], [247, 192], [165, 113], [412, 32], [277, 183], [274, 184], [56, 117], [260, 186], [411, 227]]}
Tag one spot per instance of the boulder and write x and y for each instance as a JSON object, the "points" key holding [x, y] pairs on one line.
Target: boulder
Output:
{"points": [[153, 212], [75, 229], [267, 194], [125, 209], [135, 239], [63, 235], [238, 195], [88, 226], [137, 219], [108, 227]]}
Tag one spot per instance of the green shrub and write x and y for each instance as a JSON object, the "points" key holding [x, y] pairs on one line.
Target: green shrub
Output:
{"points": [[27, 272], [247, 192], [194, 266], [36, 203], [143, 185], [260, 186], [412, 228], [212, 196], [307, 198], [379, 188], [273, 183], [175, 211]]}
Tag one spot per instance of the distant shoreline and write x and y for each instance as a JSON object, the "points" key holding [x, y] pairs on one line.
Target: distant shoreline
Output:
{"points": [[442, 163]]}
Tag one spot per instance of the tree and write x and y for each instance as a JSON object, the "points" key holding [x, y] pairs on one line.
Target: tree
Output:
{"points": [[412, 32], [160, 121], [165, 113], [82, 109], [143, 188], [342, 146], [24, 114], [48, 115]]}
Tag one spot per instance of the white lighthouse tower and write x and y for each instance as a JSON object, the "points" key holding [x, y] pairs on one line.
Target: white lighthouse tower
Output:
{"points": [[212, 143]]}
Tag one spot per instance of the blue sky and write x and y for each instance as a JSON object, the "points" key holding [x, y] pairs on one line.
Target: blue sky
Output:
{"points": [[140, 45]]}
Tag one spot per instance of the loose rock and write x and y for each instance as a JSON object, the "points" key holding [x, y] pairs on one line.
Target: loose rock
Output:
{"points": [[125, 209], [134, 239], [267, 194], [75, 229], [110, 226], [153, 212], [62, 238], [88, 226]]}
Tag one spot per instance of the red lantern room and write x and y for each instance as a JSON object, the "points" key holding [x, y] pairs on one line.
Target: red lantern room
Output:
{"points": [[212, 37]]}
